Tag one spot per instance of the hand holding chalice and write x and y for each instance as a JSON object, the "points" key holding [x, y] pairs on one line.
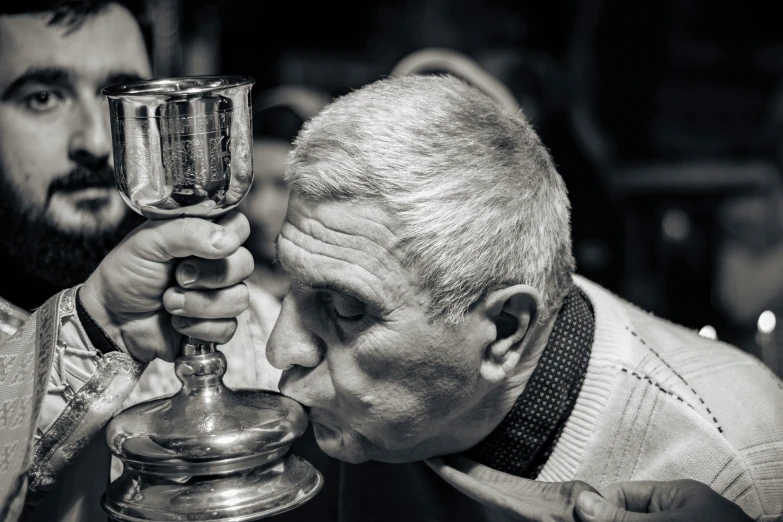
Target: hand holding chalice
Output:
{"points": [[183, 148]]}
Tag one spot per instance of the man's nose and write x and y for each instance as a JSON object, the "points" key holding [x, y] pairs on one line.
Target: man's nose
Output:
{"points": [[292, 343], [90, 143]]}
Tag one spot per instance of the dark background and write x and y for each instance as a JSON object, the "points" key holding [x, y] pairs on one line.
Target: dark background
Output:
{"points": [[663, 117]]}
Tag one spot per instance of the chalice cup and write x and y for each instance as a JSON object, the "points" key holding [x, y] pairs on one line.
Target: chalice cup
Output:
{"points": [[183, 147]]}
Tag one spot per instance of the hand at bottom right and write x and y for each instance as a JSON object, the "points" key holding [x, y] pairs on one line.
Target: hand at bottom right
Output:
{"points": [[675, 501]]}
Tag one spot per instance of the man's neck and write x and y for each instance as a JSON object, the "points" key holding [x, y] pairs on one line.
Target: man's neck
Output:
{"points": [[485, 416], [542, 395]]}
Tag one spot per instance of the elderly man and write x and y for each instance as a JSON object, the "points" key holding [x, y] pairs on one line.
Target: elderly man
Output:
{"points": [[434, 311], [434, 317]]}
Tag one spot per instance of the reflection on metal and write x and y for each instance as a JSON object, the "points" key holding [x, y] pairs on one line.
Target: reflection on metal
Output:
{"points": [[208, 453], [183, 147]]}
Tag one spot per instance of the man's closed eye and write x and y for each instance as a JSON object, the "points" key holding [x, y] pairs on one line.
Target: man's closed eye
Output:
{"points": [[344, 308]]}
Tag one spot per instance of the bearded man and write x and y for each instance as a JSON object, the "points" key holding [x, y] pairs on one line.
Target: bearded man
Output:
{"points": [[60, 209], [59, 205], [61, 212]]}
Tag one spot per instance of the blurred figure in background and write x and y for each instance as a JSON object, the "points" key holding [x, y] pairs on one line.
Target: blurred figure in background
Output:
{"points": [[683, 123], [449, 61], [279, 114]]}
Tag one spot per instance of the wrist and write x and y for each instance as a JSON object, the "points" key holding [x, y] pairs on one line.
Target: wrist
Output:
{"points": [[101, 317], [98, 337]]}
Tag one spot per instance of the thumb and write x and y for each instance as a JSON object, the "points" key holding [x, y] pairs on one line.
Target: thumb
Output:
{"points": [[592, 507], [162, 241]]}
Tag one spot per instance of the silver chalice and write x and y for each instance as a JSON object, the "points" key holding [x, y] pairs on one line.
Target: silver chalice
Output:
{"points": [[183, 147]]}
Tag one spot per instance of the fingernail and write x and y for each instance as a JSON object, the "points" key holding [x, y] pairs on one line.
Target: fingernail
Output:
{"points": [[188, 274], [181, 322], [177, 300], [589, 503], [220, 239]]}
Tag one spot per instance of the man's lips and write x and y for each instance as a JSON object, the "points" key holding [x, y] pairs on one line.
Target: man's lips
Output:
{"points": [[97, 190], [316, 415], [84, 194], [78, 186], [89, 199], [321, 418]]}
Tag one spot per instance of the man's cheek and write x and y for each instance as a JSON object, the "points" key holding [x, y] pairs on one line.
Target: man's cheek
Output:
{"points": [[395, 414], [403, 386], [30, 159]]}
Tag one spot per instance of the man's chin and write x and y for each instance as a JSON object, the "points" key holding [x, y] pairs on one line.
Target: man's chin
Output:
{"points": [[64, 242], [339, 445]]}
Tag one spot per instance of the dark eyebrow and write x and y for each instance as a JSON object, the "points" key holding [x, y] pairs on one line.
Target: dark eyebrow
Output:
{"points": [[117, 78], [48, 75]]}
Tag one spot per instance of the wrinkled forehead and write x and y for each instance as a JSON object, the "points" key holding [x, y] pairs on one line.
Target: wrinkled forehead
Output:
{"points": [[345, 244], [107, 41], [362, 222]]}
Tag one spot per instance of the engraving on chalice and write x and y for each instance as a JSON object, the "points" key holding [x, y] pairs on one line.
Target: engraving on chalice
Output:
{"points": [[183, 147]]}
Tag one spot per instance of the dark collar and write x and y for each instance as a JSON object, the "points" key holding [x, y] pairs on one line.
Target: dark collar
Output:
{"points": [[525, 438]]}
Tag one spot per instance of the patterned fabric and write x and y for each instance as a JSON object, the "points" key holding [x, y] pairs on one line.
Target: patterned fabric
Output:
{"points": [[27, 359], [27, 368], [523, 441], [82, 420]]}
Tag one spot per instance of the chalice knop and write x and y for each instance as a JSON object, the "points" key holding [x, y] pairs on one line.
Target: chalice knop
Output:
{"points": [[183, 147]]}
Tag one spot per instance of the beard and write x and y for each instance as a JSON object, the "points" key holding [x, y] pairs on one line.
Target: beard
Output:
{"points": [[61, 258]]}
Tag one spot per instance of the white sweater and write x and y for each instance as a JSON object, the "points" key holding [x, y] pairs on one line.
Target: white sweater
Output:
{"points": [[660, 402]]}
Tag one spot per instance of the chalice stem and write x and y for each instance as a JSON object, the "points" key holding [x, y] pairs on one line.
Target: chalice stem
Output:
{"points": [[194, 346]]}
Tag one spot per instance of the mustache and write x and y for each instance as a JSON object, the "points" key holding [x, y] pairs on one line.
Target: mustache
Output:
{"points": [[82, 178]]}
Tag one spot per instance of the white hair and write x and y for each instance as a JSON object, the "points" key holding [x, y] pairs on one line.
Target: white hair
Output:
{"points": [[477, 197]]}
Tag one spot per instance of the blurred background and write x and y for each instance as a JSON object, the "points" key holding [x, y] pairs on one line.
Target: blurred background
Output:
{"points": [[664, 118]]}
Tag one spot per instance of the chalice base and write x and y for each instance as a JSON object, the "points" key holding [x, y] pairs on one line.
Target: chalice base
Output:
{"points": [[249, 494], [208, 453]]}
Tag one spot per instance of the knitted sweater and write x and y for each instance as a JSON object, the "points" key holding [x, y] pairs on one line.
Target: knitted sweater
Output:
{"points": [[659, 402]]}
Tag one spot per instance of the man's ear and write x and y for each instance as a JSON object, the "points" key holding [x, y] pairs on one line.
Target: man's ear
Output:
{"points": [[513, 310]]}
